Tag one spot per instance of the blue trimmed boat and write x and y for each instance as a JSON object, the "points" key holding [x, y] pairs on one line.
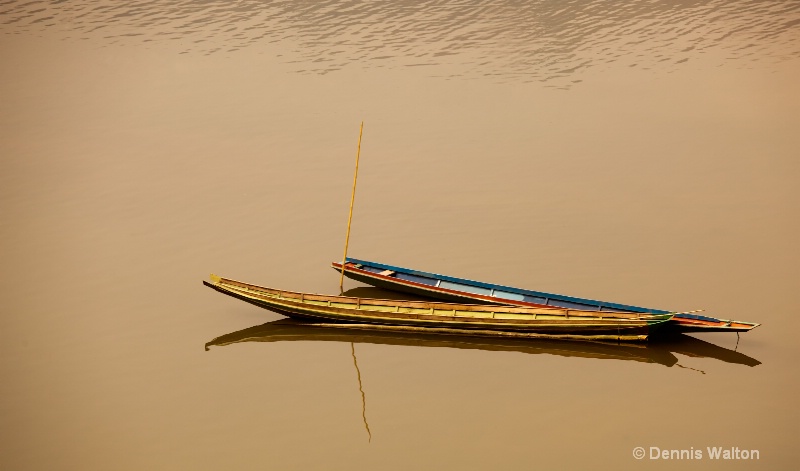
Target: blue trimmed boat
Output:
{"points": [[460, 290]]}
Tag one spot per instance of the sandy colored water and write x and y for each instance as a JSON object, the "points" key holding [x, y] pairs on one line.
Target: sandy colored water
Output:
{"points": [[642, 154]]}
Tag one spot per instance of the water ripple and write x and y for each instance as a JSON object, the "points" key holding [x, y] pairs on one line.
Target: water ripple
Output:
{"points": [[545, 40]]}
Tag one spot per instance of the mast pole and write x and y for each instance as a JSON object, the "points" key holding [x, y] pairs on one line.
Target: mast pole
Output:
{"points": [[352, 199]]}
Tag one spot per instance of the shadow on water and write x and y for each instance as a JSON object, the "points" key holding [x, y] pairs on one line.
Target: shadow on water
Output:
{"points": [[660, 351], [540, 40], [372, 292]]}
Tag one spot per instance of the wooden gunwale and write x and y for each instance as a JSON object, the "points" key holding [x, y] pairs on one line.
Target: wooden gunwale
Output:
{"points": [[350, 266], [315, 306], [308, 298]]}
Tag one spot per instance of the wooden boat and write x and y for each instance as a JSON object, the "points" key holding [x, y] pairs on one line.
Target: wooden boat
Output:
{"points": [[469, 319], [462, 290]]}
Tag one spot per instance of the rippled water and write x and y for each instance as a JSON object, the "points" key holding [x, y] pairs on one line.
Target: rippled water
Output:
{"points": [[546, 41], [635, 152]]}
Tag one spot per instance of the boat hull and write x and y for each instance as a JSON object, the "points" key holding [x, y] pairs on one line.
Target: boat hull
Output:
{"points": [[478, 319], [432, 285]]}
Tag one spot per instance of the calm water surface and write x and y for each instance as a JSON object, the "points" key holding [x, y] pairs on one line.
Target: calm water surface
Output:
{"points": [[638, 152]]}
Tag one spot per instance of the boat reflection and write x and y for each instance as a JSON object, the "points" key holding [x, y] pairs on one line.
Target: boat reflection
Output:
{"points": [[661, 351]]}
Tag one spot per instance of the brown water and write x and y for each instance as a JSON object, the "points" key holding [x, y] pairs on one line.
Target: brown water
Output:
{"points": [[638, 152]]}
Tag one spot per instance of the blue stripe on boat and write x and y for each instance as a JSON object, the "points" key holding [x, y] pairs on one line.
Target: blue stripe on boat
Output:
{"points": [[700, 318], [502, 292], [417, 279]]}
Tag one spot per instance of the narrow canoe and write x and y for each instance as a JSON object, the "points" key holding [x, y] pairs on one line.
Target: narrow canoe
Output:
{"points": [[460, 290], [472, 319]]}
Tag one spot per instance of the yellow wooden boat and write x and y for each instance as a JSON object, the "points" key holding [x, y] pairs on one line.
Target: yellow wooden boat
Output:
{"points": [[470, 319]]}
